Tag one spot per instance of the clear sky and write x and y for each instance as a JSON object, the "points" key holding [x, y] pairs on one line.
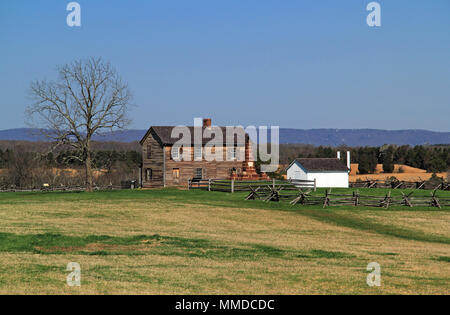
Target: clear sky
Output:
{"points": [[292, 63]]}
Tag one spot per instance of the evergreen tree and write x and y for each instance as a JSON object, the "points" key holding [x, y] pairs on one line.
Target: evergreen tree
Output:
{"points": [[388, 160]]}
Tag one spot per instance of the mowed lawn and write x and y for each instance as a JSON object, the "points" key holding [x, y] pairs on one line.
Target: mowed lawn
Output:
{"points": [[195, 242]]}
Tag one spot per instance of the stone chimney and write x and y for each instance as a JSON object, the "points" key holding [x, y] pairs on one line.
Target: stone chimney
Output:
{"points": [[348, 160], [207, 123]]}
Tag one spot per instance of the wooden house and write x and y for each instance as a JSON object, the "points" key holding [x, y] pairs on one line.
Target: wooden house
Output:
{"points": [[164, 164]]}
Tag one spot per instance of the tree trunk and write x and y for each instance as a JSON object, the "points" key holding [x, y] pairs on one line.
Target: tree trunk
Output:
{"points": [[89, 176]]}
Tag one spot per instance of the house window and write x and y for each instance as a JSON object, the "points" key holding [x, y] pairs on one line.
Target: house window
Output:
{"points": [[198, 173], [148, 174], [232, 152], [177, 153], [176, 173], [149, 151], [209, 153], [198, 153]]}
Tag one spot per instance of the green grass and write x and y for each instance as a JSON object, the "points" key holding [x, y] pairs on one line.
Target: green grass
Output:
{"points": [[180, 195], [331, 215], [317, 253], [443, 258], [53, 244], [197, 242], [352, 221]]}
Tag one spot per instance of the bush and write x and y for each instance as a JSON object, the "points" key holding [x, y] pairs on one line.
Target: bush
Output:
{"points": [[436, 179]]}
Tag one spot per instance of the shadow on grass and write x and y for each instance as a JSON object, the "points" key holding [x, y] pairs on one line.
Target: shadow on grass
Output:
{"points": [[333, 217]]}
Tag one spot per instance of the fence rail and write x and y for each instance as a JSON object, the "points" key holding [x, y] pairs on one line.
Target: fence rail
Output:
{"points": [[232, 186], [355, 199], [68, 189], [400, 184]]}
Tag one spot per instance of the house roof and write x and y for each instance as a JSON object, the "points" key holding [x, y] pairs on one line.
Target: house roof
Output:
{"points": [[321, 165], [163, 135]]}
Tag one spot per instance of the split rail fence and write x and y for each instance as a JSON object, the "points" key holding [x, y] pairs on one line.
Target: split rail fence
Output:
{"points": [[301, 192], [355, 199], [66, 189], [400, 185], [232, 186]]}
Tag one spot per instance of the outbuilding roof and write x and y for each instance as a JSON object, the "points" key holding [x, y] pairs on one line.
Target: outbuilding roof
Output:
{"points": [[321, 165]]}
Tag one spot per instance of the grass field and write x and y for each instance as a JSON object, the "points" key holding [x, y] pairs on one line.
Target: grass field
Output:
{"points": [[195, 242]]}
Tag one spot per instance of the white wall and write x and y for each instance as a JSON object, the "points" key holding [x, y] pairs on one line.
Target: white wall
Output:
{"points": [[296, 172], [330, 179], [324, 179]]}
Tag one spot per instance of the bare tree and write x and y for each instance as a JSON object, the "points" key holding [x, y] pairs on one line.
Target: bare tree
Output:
{"points": [[21, 165], [88, 98]]}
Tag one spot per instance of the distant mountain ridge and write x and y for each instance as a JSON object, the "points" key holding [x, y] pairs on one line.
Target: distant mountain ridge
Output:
{"points": [[363, 137], [325, 137]]}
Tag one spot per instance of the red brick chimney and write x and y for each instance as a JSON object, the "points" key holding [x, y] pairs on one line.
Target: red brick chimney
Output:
{"points": [[206, 122]]}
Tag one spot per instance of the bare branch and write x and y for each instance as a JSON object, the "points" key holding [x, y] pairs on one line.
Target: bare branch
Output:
{"points": [[88, 98]]}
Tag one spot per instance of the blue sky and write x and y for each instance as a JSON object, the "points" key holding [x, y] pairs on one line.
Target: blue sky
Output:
{"points": [[292, 63]]}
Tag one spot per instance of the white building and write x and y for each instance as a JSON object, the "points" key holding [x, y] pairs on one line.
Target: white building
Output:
{"points": [[326, 172]]}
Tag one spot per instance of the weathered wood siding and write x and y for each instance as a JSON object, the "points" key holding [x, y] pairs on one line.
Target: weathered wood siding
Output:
{"points": [[213, 169], [155, 163], [161, 163]]}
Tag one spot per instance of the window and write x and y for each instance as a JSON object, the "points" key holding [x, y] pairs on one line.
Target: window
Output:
{"points": [[148, 174], [209, 154], [177, 153], [232, 152], [198, 173], [149, 151], [176, 173], [198, 153]]}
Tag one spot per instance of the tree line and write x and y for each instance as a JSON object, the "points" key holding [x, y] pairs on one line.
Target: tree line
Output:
{"points": [[101, 159], [21, 168], [430, 158], [25, 166]]}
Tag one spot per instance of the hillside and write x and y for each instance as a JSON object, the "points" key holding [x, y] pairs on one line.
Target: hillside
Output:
{"points": [[401, 172], [325, 137]]}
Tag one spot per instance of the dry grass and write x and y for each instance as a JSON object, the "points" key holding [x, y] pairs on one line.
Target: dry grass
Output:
{"points": [[401, 172], [215, 246]]}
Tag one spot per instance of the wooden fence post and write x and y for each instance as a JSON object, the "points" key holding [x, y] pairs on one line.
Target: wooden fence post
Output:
{"points": [[209, 184], [326, 201], [232, 186], [273, 183], [315, 184], [189, 184]]}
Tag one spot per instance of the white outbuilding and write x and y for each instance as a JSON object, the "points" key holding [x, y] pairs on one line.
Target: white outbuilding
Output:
{"points": [[326, 172]]}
